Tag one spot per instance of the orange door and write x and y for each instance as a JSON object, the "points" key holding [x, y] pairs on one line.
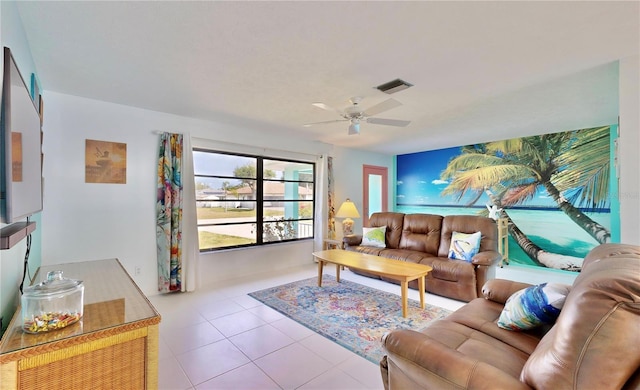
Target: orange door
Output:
{"points": [[375, 191]]}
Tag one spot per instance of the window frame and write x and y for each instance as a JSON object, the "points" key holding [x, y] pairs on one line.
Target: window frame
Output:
{"points": [[259, 201]]}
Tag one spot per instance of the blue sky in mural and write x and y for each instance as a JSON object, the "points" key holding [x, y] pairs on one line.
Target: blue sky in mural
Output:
{"points": [[419, 182]]}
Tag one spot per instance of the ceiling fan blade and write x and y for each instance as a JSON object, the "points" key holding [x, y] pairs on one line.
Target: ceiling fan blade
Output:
{"points": [[324, 122], [381, 107], [388, 122], [326, 107]]}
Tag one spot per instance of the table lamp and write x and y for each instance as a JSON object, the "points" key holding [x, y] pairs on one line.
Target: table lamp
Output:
{"points": [[347, 211]]}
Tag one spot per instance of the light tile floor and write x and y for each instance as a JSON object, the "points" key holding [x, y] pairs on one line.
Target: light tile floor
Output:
{"points": [[220, 338]]}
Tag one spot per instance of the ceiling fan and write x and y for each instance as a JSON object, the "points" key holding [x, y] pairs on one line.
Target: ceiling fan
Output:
{"points": [[355, 115]]}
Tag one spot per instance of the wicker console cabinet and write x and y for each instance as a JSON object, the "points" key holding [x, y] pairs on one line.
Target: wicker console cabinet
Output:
{"points": [[113, 346]]}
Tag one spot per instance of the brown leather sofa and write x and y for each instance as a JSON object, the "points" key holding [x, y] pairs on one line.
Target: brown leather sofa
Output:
{"points": [[594, 343], [425, 239]]}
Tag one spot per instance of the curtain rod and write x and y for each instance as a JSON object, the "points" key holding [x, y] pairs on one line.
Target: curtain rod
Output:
{"points": [[264, 150], [237, 145], [162, 132]]}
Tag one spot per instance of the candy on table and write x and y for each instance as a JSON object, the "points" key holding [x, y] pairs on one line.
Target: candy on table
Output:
{"points": [[49, 321]]}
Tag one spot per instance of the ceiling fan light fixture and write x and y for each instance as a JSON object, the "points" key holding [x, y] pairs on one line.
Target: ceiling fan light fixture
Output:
{"points": [[354, 128], [394, 86]]}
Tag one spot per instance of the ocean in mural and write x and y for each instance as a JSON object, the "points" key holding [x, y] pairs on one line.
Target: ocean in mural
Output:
{"points": [[553, 188]]}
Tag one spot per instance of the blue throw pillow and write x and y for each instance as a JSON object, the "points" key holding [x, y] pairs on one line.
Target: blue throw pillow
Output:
{"points": [[533, 306], [464, 246]]}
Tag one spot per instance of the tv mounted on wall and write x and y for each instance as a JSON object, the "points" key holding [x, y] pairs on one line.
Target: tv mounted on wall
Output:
{"points": [[20, 147]]}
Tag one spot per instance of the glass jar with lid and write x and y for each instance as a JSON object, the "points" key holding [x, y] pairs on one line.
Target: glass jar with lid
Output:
{"points": [[53, 304]]}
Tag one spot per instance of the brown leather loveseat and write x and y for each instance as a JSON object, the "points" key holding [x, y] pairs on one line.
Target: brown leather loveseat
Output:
{"points": [[425, 239], [593, 344]]}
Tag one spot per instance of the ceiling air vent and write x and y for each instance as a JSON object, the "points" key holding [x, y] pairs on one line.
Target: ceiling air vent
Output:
{"points": [[394, 86]]}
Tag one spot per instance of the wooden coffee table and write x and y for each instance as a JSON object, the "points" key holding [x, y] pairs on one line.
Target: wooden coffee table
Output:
{"points": [[402, 271]]}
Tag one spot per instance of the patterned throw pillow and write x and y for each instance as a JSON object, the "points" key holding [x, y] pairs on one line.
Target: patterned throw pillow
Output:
{"points": [[374, 237], [464, 246], [533, 306]]}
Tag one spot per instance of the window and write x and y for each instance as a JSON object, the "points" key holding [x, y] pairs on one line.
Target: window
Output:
{"points": [[245, 200]]}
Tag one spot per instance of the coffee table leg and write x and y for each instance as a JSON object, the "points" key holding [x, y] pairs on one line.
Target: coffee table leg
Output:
{"points": [[404, 292], [421, 288], [320, 265], [337, 273]]}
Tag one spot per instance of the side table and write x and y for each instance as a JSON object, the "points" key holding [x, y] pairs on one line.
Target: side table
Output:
{"points": [[332, 244], [114, 346]]}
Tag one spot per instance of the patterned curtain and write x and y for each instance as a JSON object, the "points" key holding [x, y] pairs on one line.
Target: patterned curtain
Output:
{"points": [[169, 213], [331, 222]]}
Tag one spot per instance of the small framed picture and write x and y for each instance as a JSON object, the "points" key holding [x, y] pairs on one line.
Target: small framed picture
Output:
{"points": [[105, 162]]}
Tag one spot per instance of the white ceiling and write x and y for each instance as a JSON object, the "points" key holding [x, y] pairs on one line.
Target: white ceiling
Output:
{"points": [[481, 70]]}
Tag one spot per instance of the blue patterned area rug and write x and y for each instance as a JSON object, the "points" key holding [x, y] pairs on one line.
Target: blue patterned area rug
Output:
{"points": [[348, 313]]}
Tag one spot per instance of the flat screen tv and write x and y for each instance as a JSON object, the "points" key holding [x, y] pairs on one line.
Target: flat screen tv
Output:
{"points": [[20, 146]]}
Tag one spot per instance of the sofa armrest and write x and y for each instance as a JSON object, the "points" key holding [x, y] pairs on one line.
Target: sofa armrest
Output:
{"points": [[499, 290], [352, 240], [419, 359], [487, 258]]}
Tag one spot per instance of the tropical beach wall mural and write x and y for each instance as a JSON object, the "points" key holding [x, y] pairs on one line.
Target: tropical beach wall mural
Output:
{"points": [[554, 189]]}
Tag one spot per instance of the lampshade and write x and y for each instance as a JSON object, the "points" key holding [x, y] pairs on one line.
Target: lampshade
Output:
{"points": [[347, 211]]}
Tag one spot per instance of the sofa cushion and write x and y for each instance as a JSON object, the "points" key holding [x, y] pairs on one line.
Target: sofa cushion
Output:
{"points": [[464, 245], [533, 306], [468, 224], [374, 236], [421, 232], [477, 346], [594, 342], [451, 270], [369, 250], [482, 314], [415, 367], [402, 254], [393, 222]]}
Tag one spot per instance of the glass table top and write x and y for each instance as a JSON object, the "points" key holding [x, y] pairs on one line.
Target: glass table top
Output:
{"points": [[111, 298]]}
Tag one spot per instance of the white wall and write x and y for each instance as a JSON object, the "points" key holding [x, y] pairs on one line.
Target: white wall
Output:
{"points": [[98, 221], [347, 167], [629, 152]]}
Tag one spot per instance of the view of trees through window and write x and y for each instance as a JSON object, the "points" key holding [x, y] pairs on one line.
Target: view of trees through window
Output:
{"points": [[247, 200]]}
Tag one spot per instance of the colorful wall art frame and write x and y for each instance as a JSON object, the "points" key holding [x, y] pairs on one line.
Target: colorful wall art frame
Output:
{"points": [[554, 189]]}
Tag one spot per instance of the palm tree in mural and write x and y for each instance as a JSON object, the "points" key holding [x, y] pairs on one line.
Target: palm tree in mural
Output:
{"points": [[571, 166], [585, 175], [535, 253]]}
